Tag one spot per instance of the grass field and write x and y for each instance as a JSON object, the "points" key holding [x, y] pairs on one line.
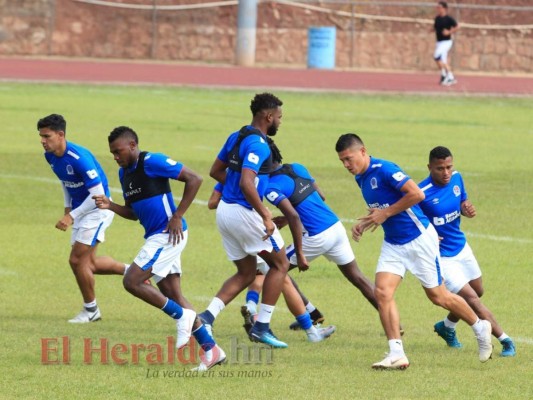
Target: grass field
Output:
{"points": [[491, 140]]}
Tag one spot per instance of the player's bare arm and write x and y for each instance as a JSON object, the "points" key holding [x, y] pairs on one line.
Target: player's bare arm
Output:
{"points": [[104, 203], [467, 209], [247, 186], [295, 225], [218, 171]]}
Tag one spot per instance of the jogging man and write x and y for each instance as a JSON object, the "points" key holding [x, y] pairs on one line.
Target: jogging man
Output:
{"points": [[445, 202], [144, 177], [444, 26], [410, 243], [81, 178]]}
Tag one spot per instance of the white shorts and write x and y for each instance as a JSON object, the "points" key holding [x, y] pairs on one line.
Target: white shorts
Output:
{"points": [[458, 270], [420, 256], [442, 49], [333, 243], [90, 228], [242, 232], [160, 255], [262, 266]]}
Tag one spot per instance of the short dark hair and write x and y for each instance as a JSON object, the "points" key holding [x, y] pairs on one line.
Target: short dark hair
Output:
{"points": [[264, 101], [439, 153], [443, 4], [276, 153], [122, 131], [54, 122], [348, 140]]}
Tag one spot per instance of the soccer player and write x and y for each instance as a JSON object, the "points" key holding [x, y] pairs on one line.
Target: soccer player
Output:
{"points": [[81, 177], [444, 26], [445, 202], [292, 296], [410, 243], [144, 177], [315, 228], [243, 220]]}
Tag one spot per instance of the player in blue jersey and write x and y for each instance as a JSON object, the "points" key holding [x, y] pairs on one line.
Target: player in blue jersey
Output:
{"points": [[81, 177], [144, 177], [411, 243], [315, 228], [293, 298], [444, 204], [244, 222]]}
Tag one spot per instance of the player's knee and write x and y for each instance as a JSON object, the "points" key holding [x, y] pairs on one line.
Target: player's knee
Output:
{"points": [[129, 284], [383, 294]]}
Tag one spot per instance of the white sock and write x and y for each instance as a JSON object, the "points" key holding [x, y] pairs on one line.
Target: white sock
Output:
{"points": [[449, 324], [450, 75], [216, 306], [443, 73], [252, 307], [265, 313], [396, 348], [89, 305], [313, 329], [478, 327], [310, 307], [503, 337]]}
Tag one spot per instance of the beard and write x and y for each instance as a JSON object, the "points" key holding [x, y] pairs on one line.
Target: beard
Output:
{"points": [[272, 130]]}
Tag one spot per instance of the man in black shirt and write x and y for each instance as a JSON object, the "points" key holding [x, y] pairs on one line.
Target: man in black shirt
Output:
{"points": [[444, 27]]}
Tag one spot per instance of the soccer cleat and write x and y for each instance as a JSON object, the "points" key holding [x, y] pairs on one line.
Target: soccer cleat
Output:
{"points": [[267, 338], [449, 82], [315, 334], [85, 316], [448, 334], [484, 342], [215, 356], [184, 327], [508, 349], [392, 363], [248, 319], [442, 78], [316, 317]]}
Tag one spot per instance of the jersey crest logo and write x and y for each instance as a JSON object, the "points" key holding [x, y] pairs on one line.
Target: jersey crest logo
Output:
{"points": [[456, 191], [70, 170], [374, 183]]}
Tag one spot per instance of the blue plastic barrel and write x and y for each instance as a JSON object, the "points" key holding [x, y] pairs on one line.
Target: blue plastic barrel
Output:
{"points": [[321, 47]]}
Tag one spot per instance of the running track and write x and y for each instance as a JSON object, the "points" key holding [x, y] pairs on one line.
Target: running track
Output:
{"points": [[175, 74]]}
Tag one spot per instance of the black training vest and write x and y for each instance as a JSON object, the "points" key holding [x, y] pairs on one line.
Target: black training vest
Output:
{"points": [[303, 187], [235, 162], [136, 185]]}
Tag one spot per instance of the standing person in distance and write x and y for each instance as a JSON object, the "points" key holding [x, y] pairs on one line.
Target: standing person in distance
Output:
{"points": [[410, 243], [144, 177], [81, 178], [444, 203], [444, 27]]}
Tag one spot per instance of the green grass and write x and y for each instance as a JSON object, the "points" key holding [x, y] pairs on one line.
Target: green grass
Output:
{"points": [[491, 139]]}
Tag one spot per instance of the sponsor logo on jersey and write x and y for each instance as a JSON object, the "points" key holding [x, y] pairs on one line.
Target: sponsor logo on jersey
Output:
{"points": [[435, 200], [446, 219], [253, 158], [374, 183], [456, 191], [272, 196], [92, 174], [380, 206], [70, 170], [72, 185], [171, 161], [398, 176]]}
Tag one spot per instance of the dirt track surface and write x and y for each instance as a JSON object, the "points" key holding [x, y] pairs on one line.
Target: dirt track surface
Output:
{"points": [[130, 72]]}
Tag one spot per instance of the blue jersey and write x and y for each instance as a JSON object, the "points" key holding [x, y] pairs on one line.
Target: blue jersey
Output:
{"points": [[253, 151], [79, 171], [314, 213], [154, 212], [381, 186], [442, 205]]}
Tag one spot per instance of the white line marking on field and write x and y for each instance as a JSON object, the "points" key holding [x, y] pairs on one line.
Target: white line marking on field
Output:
{"points": [[523, 340], [345, 220]]}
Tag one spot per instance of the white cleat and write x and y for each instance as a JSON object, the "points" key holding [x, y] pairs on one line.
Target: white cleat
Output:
{"points": [[318, 334], [215, 356], [85, 317], [484, 342], [392, 363], [184, 327]]}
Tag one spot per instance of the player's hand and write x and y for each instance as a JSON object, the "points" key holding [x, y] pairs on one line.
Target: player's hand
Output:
{"points": [[175, 230], [270, 227], [371, 221], [446, 32], [302, 263], [357, 232], [65, 222], [101, 201], [468, 209], [280, 221]]}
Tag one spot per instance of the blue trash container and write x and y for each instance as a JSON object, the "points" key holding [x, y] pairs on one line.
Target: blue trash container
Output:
{"points": [[321, 47]]}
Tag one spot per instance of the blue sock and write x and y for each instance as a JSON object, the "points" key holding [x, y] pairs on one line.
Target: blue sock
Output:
{"points": [[173, 309], [305, 321], [207, 317], [261, 326], [204, 339], [252, 295]]}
